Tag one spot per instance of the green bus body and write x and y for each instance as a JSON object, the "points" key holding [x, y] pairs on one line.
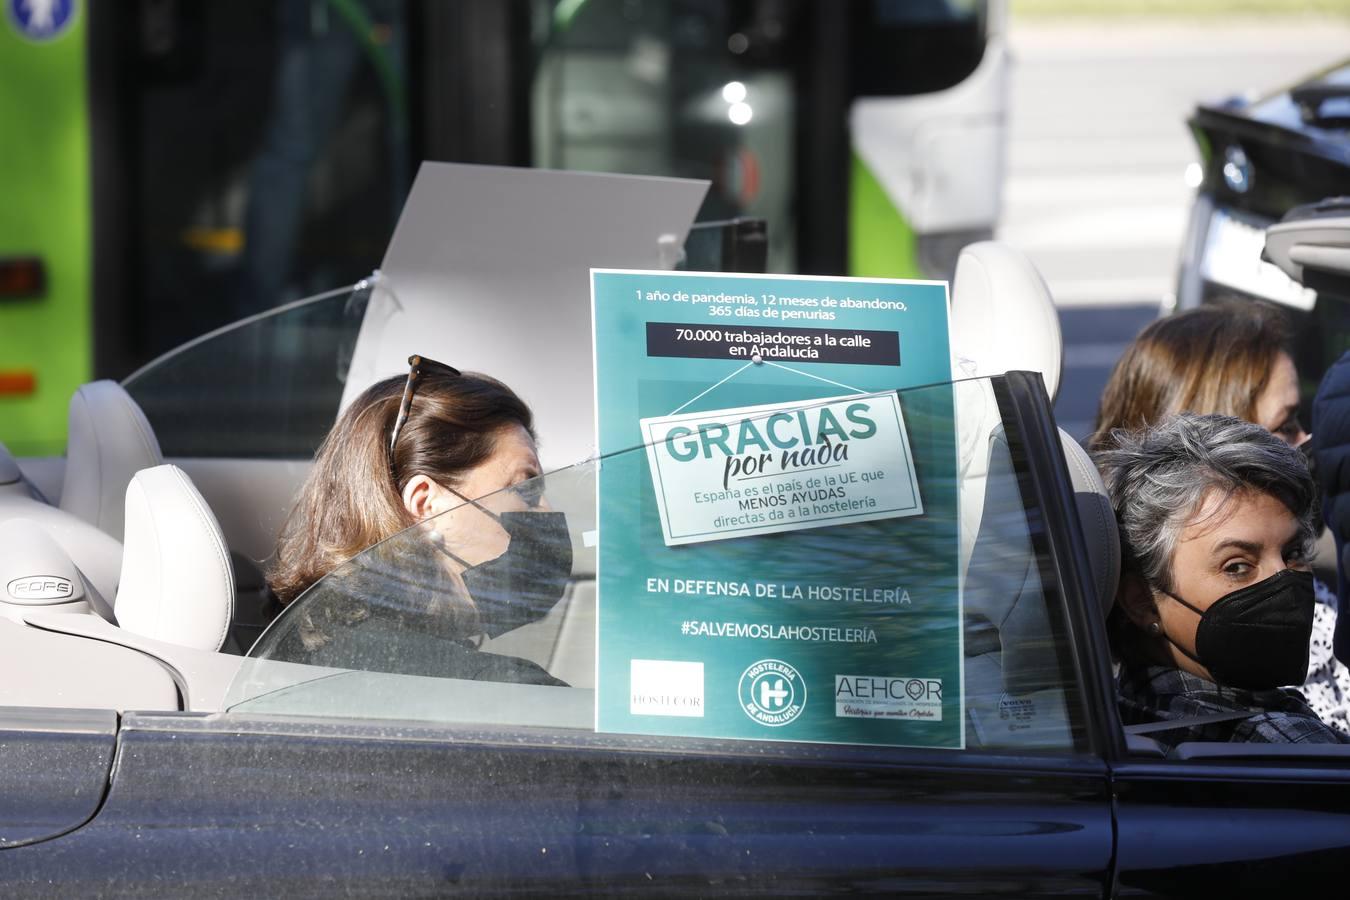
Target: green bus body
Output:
{"points": [[172, 105], [46, 213]]}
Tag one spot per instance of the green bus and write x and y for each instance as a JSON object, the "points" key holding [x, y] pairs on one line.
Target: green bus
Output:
{"points": [[171, 166]]}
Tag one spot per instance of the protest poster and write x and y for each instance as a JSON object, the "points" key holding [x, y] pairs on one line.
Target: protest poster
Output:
{"points": [[780, 467], [777, 495]]}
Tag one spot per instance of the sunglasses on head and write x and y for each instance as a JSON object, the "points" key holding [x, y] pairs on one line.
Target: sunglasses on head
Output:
{"points": [[417, 367]]}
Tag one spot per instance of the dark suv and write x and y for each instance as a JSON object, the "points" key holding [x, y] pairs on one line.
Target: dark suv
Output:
{"points": [[1260, 159]]}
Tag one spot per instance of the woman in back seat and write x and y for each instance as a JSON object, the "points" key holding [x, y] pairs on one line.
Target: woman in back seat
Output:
{"points": [[1215, 604], [1231, 358]]}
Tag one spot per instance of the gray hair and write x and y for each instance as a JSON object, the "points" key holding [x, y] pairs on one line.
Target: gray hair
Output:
{"points": [[1159, 476]]}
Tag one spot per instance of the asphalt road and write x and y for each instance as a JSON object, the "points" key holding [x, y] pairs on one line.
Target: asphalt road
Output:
{"points": [[1097, 155], [1094, 337]]}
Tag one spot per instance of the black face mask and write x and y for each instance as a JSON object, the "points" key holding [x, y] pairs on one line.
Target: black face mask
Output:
{"points": [[529, 578], [1257, 637]]}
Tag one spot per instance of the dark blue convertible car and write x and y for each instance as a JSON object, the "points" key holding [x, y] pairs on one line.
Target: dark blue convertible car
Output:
{"points": [[195, 748]]}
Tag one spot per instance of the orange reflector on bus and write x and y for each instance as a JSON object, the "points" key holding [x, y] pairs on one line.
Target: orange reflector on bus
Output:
{"points": [[17, 382], [21, 276]]}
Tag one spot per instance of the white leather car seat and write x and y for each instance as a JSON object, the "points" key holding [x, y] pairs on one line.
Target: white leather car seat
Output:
{"points": [[109, 441], [1098, 519], [1003, 319], [177, 583], [97, 554], [175, 601]]}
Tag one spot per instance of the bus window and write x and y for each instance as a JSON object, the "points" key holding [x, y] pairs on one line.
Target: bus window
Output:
{"points": [[760, 98]]}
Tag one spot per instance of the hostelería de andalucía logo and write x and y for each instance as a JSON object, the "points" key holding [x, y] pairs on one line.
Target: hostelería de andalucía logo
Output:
{"points": [[772, 692]]}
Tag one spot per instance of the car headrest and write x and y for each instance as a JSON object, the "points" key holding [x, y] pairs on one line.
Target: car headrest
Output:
{"points": [[177, 585], [110, 440], [1003, 585], [1098, 520], [1003, 317]]}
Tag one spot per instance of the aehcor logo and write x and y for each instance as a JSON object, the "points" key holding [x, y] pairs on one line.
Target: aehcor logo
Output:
{"points": [[772, 692], [41, 587], [41, 20], [887, 697]]}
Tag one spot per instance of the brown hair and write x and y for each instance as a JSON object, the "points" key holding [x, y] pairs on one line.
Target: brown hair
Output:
{"points": [[1214, 359], [352, 498]]}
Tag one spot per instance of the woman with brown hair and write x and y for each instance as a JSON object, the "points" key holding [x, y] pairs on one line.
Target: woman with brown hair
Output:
{"points": [[425, 450], [1228, 358]]}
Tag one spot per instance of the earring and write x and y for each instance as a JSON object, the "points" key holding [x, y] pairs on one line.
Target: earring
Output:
{"points": [[1154, 628]]}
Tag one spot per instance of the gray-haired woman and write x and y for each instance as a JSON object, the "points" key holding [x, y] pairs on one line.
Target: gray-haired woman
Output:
{"points": [[1215, 606]]}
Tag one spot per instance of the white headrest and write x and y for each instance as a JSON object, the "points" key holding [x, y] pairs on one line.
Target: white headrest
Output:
{"points": [[1098, 520], [110, 440], [1003, 317], [177, 584], [1003, 584]]}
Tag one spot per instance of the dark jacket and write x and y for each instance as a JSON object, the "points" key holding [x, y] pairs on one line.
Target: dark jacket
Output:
{"points": [[1150, 694], [1331, 454]]}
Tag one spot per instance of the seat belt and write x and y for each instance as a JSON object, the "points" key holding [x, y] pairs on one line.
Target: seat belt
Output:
{"points": [[1190, 721]]}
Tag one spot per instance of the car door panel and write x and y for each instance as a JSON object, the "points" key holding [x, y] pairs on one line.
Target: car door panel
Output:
{"points": [[1237, 828], [54, 766], [280, 805], [236, 803]]}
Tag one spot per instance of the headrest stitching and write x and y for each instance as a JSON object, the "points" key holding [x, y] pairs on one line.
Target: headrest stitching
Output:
{"points": [[85, 408], [213, 534], [1099, 578]]}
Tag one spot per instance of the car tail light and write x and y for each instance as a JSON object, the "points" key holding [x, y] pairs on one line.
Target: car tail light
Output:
{"points": [[17, 382], [22, 276]]}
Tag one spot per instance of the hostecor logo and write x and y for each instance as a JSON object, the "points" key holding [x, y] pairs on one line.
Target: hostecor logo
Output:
{"points": [[41, 587], [772, 692]]}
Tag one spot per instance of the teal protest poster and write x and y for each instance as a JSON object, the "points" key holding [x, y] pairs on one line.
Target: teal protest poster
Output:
{"points": [[778, 509]]}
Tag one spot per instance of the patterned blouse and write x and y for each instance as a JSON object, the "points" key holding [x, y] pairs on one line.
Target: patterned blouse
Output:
{"points": [[1327, 687]]}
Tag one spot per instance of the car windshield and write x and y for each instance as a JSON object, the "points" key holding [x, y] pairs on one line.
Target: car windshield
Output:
{"points": [[894, 575], [275, 380]]}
